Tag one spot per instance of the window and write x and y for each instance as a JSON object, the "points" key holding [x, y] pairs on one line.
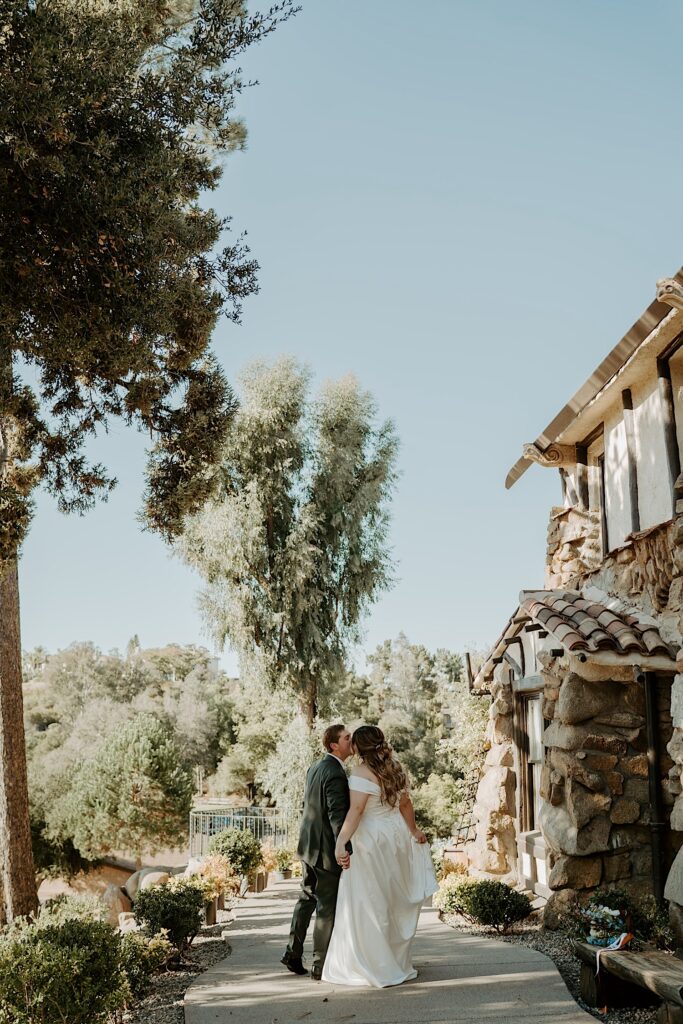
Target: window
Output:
{"points": [[532, 865], [534, 759]]}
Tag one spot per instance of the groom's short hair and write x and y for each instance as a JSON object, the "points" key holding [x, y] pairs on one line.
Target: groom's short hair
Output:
{"points": [[331, 735]]}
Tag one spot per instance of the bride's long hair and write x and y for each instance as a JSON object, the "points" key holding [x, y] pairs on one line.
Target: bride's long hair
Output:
{"points": [[370, 745]]}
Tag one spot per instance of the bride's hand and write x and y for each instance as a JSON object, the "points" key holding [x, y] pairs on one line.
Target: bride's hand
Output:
{"points": [[419, 836], [341, 856]]}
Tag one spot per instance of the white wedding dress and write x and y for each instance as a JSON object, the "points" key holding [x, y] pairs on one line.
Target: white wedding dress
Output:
{"points": [[379, 900]]}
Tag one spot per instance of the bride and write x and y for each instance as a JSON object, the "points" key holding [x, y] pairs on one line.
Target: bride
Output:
{"points": [[389, 877]]}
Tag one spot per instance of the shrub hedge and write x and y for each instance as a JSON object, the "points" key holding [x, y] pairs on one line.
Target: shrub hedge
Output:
{"points": [[174, 908], [241, 847], [71, 971], [482, 901]]}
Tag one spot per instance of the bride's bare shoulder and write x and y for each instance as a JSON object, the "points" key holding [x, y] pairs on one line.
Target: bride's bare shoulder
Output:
{"points": [[361, 771]]}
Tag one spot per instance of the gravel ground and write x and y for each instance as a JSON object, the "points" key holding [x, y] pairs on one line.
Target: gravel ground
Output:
{"points": [[164, 1004], [558, 948]]}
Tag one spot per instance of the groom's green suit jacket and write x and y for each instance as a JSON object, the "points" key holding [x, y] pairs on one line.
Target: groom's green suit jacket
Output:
{"points": [[326, 803]]}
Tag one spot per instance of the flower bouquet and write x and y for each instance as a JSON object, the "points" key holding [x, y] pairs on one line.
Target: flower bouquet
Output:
{"points": [[604, 925]]}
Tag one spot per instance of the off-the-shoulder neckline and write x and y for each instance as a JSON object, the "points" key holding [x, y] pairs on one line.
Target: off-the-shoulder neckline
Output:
{"points": [[364, 778]]}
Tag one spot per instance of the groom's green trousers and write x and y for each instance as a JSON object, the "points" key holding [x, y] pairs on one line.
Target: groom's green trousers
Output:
{"points": [[318, 893]]}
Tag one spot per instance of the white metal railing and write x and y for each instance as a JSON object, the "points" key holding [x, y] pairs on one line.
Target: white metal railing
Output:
{"points": [[265, 823]]}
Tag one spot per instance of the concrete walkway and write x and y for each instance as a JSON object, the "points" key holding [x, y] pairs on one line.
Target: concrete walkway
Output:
{"points": [[460, 979]]}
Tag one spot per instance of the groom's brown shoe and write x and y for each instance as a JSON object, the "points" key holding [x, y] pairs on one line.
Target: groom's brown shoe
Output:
{"points": [[293, 964]]}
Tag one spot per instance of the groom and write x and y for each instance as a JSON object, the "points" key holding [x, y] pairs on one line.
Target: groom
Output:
{"points": [[326, 802]]}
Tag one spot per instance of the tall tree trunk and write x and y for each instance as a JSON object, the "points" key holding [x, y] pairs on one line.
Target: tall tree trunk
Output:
{"points": [[18, 894], [309, 702]]}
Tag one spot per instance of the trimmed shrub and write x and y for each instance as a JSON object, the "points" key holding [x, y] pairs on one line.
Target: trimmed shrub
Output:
{"points": [[283, 858], [141, 957], [175, 908], [61, 972], [482, 901], [241, 847]]}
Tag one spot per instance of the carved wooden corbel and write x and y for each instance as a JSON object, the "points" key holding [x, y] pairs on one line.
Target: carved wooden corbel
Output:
{"points": [[670, 292], [554, 456]]}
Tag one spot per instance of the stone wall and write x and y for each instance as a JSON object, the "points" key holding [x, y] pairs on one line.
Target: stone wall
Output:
{"points": [[595, 782], [574, 545], [596, 807], [494, 851]]}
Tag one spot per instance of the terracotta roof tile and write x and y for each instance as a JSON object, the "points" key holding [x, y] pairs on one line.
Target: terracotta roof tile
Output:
{"points": [[582, 625]]}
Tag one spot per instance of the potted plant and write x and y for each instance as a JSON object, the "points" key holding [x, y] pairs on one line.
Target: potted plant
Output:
{"points": [[268, 858], [216, 873], [242, 849], [283, 858]]}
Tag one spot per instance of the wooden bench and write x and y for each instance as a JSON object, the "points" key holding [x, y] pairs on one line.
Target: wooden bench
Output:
{"points": [[632, 979]]}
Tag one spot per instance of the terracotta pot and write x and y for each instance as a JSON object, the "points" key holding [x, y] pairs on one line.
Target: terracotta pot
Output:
{"points": [[221, 901]]}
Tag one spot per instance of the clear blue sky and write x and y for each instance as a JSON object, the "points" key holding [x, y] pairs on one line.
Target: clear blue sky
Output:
{"points": [[466, 204]]}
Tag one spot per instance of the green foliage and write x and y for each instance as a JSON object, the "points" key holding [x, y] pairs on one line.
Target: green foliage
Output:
{"points": [[142, 956], [283, 773], [174, 908], [482, 901], [114, 276], [437, 803], [293, 549], [70, 971], [77, 699], [284, 858], [134, 794], [71, 908], [259, 718], [241, 848]]}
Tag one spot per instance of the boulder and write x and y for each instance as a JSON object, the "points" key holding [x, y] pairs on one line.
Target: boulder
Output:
{"points": [[673, 890], [615, 782], [676, 922], [556, 908], [677, 702], [583, 804], [580, 700], [496, 790], [563, 836], [500, 754], [579, 737], [621, 719], [116, 901], [638, 790], [617, 866], [575, 873], [134, 882], [625, 811], [153, 878], [598, 762], [501, 731]]}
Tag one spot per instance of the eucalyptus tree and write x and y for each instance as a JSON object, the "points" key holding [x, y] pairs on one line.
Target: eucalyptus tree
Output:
{"points": [[115, 115], [293, 548]]}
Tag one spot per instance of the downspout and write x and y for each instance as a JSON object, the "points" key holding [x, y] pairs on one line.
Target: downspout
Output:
{"points": [[654, 779]]}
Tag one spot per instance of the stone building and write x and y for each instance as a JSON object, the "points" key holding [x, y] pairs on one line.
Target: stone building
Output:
{"points": [[582, 780]]}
